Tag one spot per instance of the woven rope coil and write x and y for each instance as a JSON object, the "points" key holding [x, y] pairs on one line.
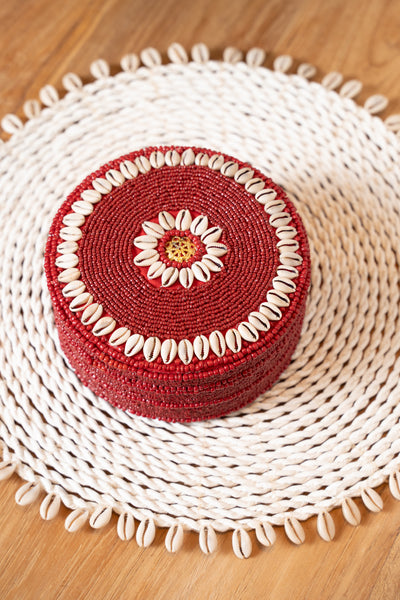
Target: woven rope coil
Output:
{"points": [[328, 431]]}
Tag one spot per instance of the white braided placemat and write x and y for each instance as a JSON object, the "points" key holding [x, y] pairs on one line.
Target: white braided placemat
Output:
{"points": [[329, 430]]}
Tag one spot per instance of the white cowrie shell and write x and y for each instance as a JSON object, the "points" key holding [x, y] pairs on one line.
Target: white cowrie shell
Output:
{"points": [[50, 507], [49, 95], [201, 347], [156, 269], [188, 157], [255, 57], [177, 54], [394, 484], [207, 539], [259, 321], [199, 225], [169, 349], [254, 185], [217, 343], [351, 512], [265, 534], [73, 220], [186, 277], [32, 108], [212, 262], [134, 344], [67, 247], [351, 88], [233, 340], [7, 468], [232, 55], [128, 169], [100, 69], [145, 533], [183, 220], [172, 158], [287, 271], [290, 245], [265, 195], [146, 257], [169, 276], [216, 249], [294, 530], [145, 242], [215, 162], [248, 332], [278, 298], [125, 527], [115, 177], [211, 235], [393, 123], [157, 159], [101, 185], [241, 543], [229, 168], [185, 351], [151, 348], [243, 175], [306, 70], [72, 234], [100, 517], [174, 538], [280, 219], [73, 288], [166, 220], [287, 286], [68, 275], [72, 82], [326, 526], [119, 336], [202, 159], [372, 500], [271, 311], [76, 519], [27, 493], [11, 123], [130, 63], [286, 232], [150, 57], [274, 206], [81, 302], [332, 80], [143, 164], [376, 104], [283, 63], [291, 258], [65, 261], [201, 271], [82, 207], [200, 53], [104, 326], [91, 314], [153, 229]]}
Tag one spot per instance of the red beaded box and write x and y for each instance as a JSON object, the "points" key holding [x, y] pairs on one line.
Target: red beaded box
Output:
{"points": [[179, 279]]}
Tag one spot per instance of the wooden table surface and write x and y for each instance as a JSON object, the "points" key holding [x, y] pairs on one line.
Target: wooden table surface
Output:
{"points": [[41, 40]]}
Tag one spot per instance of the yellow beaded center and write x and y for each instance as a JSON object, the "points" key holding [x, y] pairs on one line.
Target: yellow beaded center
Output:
{"points": [[180, 249]]}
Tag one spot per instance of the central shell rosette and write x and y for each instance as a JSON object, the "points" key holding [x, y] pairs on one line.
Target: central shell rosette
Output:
{"points": [[179, 249]]}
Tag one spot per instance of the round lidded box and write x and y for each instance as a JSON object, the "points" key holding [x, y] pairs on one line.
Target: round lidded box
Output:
{"points": [[179, 279]]}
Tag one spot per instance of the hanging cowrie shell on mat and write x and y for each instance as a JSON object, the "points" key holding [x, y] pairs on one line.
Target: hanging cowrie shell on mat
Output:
{"points": [[229, 168], [70, 234], [128, 169], [216, 249], [306, 70], [169, 349], [265, 534], [183, 220], [104, 326], [394, 484], [243, 175], [73, 220], [65, 261], [287, 271], [27, 493], [169, 276], [115, 177], [143, 164], [31, 109], [201, 271], [11, 123], [166, 220], [248, 332], [145, 533], [91, 196], [146, 257], [100, 517], [125, 527], [201, 159], [201, 347], [232, 55], [273, 206], [289, 245], [265, 195], [185, 351], [212, 262], [82, 207], [151, 348], [73, 288], [50, 507], [200, 53], [326, 526], [92, 313], [134, 344], [174, 538], [100, 184], [351, 512], [100, 69], [156, 269], [351, 88], [69, 275], [217, 343], [72, 82], [48, 95], [119, 336], [207, 539], [254, 185], [283, 285], [186, 277], [130, 63], [157, 159], [278, 298], [372, 500], [153, 229], [241, 543], [187, 157], [177, 54], [255, 57], [376, 104], [283, 63], [294, 530], [211, 235], [150, 57], [199, 225], [259, 321], [7, 468], [215, 162], [332, 80], [271, 311], [292, 259], [172, 158], [76, 519], [145, 242], [393, 123], [233, 340], [280, 219], [67, 247], [286, 232]]}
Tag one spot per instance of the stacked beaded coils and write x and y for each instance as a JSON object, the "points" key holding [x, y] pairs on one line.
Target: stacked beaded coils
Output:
{"points": [[179, 279]]}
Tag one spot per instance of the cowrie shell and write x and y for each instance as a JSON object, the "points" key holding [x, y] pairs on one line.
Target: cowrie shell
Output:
{"points": [[100, 68], [100, 517], [65, 261], [287, 286], [81, 302], [254, 185], [306, 70], [286, 232], [216, 249], [76, 519], [271, 311], [128, 169], [125, 527], [82, 207], [200, 53], [166, 220], [177, 54], [104, 326], [215, 162], [68, 275], [199, 225], [217, 343], [248, 331], [153, 229], [212, 262], [187, 157], [101, 185], [394, 484], [201, 271], [255, 57], [372, 500], [233, 340], [119, 336], [150, 57], [151, 348], [172, 158], [351, 512], [183, 220], [7, 468], [134, 344], [202, 159], [259, 321], [146, 258], [274, 206], [70, 234], [186, 277], [332, 80], [232, 55], [130, 62], [50, 507], [157, 159], [351, 88], [211, 235], [243, 175], [207, 539], [145, 242], [265, 534], [115, 177], [156, 269], [92, 313], [265, 195], [291, 258], [201, 347], [169, 276], [67, 247], [145, 533], [174, 538], [73, 220], [294, 530], [283, 63], [143, 164], [287, 271], [241, 543], [169, 349], [27, 493], [290, 245], [279, 219], [185, 351], [277, 298], [229, 168], [73, 288], [91, 196], [326, 526], [48, 95]]}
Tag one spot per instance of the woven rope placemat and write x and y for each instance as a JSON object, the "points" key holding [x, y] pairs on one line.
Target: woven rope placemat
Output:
{"points": [[329, 430]]}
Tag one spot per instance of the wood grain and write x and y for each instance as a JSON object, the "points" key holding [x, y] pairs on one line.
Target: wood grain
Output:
{"points": [[41, 41]]}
